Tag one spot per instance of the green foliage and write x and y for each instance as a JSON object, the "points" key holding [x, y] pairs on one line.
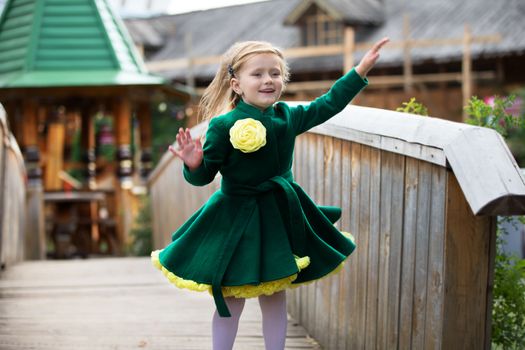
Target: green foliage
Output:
{"points": [[495, 117], [165, 125], [516, 138], [413, 107], [76, 156], [142, 232], [498, 117], [508, 313]]}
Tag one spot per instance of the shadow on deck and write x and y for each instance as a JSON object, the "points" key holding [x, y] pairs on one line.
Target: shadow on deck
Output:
{"points": [[113, 303]]}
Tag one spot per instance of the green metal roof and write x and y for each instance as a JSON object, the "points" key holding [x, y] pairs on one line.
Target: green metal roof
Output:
{"points": [[54, 43]]}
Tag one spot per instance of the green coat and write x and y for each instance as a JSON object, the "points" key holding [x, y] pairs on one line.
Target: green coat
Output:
{"points": [[252, 230]]}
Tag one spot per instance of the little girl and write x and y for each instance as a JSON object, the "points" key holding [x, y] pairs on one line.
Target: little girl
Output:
{"points": [[260, 233]]}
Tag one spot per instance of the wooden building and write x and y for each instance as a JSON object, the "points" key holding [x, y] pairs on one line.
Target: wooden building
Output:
{"points": [[421, 196], [64, 64], [442, 51]]}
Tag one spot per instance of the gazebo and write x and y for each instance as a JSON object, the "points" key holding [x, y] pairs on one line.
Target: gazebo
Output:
{"points": [[68, 61]]}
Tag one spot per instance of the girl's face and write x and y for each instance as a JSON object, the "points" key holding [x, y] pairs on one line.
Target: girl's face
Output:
{"points": [[259, 81]]}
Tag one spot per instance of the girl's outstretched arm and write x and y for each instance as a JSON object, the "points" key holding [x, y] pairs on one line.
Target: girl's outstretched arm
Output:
{"points": [[304, 117], [370, 58], [190, 151]]}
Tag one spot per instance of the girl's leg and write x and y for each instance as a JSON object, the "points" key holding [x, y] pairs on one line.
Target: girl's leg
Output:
{"points": [[275, 321], [224, 329]]}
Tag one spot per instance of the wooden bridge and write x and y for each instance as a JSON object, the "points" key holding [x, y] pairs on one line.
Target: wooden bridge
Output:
{"points": [[113, 303], [421, 196]]}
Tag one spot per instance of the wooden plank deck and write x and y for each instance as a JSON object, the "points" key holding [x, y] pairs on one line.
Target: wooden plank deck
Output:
{"points": [[113, 304]]}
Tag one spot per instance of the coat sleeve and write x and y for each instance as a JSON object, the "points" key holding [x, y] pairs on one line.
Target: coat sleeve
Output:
{"points": [[215, 149], [305, 117]]}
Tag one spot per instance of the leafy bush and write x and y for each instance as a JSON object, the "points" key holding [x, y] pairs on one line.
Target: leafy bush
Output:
{"points": [[413, 107], [508, 313], [498, 117], [495, 117]]}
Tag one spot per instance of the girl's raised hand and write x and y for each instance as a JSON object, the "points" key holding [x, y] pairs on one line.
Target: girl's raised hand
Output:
{"points": [[370, 58], [190, 151]]}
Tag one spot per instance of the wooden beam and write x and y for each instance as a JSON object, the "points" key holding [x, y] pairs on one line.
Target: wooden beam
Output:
{"points": [[122, 115], [135, 93], [29, 123], [383, 81], [323, 50], [312, 51], [122, 118], [424, 43], [466, 68], [122, 121], [390, 81], [54, 156], [30, 141], [89, 144], [303, 51], [349, 48]]}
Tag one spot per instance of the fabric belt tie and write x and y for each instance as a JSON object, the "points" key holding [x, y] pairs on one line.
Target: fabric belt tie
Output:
{"points": [[296, 224]]}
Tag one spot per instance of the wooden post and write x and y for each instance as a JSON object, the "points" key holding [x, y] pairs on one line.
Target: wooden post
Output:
{"points": [[29, 130], [88, 145], [122, 116], [466, 68], [30, 140], [348, 49], [407, 55], [144, 118], [54, 154], [87, 115], [34, 230], [465, 303]]}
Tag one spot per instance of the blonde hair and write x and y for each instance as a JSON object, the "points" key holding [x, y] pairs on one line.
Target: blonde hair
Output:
{"points": [[219, 97]]}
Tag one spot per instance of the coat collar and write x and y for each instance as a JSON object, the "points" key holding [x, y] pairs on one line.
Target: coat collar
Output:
{"points": [[252, 110]]}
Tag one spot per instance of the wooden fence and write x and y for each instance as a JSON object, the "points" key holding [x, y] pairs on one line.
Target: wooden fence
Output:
{"points": [[420, 196], [12, 197], [348, 49]]}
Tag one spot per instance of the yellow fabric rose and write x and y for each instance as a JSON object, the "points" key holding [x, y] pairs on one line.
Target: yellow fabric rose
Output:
{"points": [[248, 135]]}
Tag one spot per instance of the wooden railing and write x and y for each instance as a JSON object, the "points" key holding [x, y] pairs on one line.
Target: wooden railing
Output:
{"points": [[420, 196], [12, 197]]}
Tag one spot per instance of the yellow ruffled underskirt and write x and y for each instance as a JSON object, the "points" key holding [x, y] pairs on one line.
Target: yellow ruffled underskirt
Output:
{"points": [[245, 291], [349, 236]]}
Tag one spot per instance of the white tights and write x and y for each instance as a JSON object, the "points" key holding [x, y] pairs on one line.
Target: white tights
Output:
{"points": [[273, 308]]}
